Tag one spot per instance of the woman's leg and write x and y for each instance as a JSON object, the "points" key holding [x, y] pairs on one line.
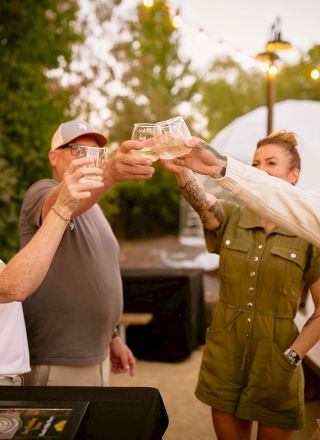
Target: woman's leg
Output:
{"points": [[228, 426], [269, 433]]}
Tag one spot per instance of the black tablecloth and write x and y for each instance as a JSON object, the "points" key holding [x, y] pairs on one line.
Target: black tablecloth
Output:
{"points": [[113, 413], [175, 297]]}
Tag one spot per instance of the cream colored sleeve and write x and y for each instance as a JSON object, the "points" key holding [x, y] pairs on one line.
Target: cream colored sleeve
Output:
{"points": [[286, 205]]}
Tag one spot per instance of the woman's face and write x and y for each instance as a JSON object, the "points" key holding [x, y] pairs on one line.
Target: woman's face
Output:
{"points": [[275, 160]]}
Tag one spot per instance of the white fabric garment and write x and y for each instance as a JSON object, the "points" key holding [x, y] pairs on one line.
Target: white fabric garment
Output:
{"points": [[293, 208], [205, 261], [14, 353]]}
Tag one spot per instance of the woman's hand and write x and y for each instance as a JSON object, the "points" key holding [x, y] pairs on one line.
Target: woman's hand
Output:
{"points": [[202, 159]]}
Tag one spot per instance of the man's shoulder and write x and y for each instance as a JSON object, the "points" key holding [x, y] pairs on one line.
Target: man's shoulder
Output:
{"points": [[40, 187], [33, 199], [42, 183]]}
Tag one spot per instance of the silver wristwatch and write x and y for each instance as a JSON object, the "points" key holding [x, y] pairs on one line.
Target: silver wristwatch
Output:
{"points": [[293, 357]]}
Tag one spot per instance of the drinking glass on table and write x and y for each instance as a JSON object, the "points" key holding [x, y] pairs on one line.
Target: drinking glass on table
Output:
{"points": [[148, 133], [173, 133], [97, 155]]}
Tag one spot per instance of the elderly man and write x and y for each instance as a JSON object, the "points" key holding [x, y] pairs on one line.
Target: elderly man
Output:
{"points": [[25, 272], [71, 320], [293, 208]]}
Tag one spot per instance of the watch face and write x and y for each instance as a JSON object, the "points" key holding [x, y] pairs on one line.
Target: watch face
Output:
{"points": [[293, 357]]}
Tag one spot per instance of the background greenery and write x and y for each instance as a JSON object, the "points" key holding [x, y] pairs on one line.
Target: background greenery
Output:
{"points": [[52, 71]]}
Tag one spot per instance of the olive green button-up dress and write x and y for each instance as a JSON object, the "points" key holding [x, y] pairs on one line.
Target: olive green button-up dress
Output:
{"points": [[244, 370]]}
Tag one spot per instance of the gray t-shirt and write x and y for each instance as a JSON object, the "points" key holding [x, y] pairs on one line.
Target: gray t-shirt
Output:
{"points": [[71, 316]]}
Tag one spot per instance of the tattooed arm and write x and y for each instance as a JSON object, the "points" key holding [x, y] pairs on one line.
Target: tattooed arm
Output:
{"points": [[206, 205], [310, 333]]}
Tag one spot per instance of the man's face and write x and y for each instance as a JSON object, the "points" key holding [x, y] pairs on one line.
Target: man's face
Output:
{"points": [[61, 158]]}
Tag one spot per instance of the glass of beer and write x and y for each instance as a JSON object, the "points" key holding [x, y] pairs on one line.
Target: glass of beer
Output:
{"points": [[98, 157], [173, 133], [148, 133]]}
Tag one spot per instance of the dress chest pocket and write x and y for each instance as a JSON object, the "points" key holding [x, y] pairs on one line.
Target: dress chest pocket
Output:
{"points": [[233, 257], [294, 262]]}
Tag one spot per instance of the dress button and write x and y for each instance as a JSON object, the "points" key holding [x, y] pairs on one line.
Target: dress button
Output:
{"points": [[251, 289], [260, 246], [252, 274], [293, 255], [227, 242], [249, 319], [256, 258], [249, 305]]}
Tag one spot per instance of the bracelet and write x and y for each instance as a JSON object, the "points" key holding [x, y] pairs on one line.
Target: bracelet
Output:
{"points": [[68, 220]]}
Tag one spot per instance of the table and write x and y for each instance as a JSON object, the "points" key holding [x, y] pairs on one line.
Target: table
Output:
{"points": [[133, 319], [175, 297], [113, 413]]}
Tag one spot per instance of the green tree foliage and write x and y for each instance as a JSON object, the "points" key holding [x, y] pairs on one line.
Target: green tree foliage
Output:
{"points": [[35, 37], [151, 82], [227, 92], [294, 81], [153, 78]]}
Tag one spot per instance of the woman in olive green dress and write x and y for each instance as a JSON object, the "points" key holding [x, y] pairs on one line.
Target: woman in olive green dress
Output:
{"points": [[251, 367]]}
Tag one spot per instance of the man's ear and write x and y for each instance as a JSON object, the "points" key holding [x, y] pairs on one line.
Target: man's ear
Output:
{"points": [[52, 158]]}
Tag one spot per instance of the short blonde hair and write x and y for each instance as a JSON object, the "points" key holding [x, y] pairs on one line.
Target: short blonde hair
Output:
{"points": [[288, 141]]}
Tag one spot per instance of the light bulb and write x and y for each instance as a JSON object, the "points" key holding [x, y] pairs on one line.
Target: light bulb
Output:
{"points": [[148, 3], [176, 21], [315, 74], [273, 70]]}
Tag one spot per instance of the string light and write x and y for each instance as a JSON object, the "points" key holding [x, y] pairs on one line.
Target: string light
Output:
{"points": [[315, 73], [177, 22], [148, 3]]}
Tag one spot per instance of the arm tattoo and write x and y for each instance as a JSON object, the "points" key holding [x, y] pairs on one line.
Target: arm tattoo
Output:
{"points": [[195, 195], [217, 211], [197, 198], [313, 317], [218, 156], [215, 152]]}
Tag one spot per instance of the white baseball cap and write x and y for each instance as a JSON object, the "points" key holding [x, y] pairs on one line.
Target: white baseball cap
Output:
{"points": [[71, 130]]}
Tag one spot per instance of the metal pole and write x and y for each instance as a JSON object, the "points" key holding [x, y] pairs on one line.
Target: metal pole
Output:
{"points": [[271, 94]]}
